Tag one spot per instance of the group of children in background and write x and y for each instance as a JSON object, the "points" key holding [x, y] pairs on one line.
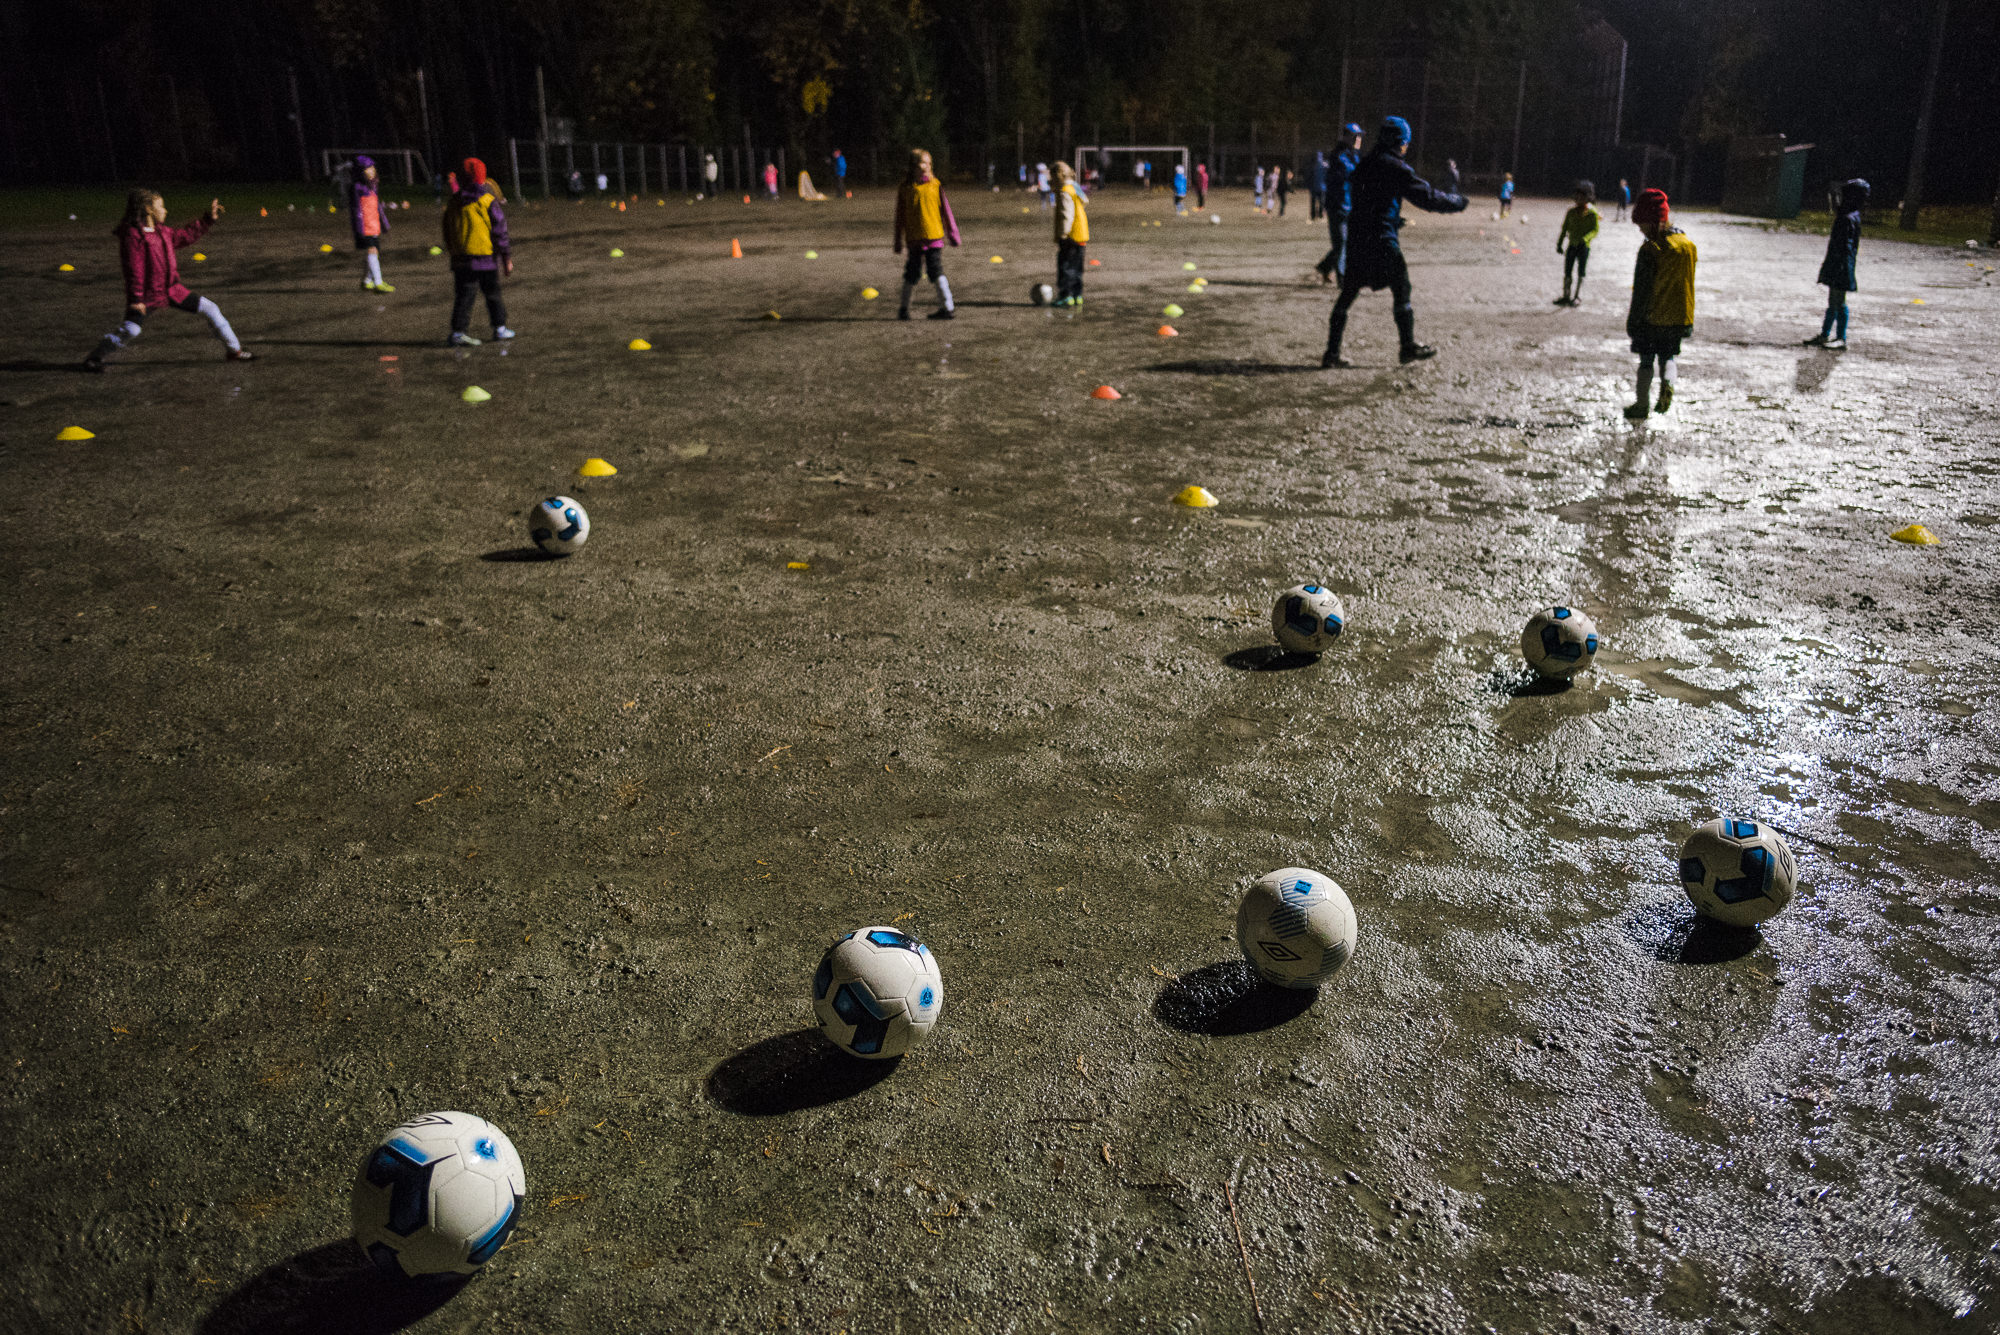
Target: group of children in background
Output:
{"points": [[1660, 317]]}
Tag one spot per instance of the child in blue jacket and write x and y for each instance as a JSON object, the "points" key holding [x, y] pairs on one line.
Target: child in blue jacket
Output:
{"points": [[1836, 271]]}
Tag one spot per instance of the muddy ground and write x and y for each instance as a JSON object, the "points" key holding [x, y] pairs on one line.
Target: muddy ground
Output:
{"points": [[322, 807]]}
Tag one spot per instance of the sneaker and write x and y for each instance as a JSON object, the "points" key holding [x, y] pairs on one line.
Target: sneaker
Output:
{"points": [[1666, 399], [367, 285], [1332, 360], [1636, 412], [1562, 300], [384, 287], [1817, 341], [458, 340], [903, 314], [1418, 352], [946, 314], [239, 355], [503, 333], [94, 364], [1835, 345]]}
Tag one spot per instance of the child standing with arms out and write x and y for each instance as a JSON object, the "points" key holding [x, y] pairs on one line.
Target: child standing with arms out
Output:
{"points": [[1836, 271], [146, 247], [371, 223], [923, 218], [1506, 194], [1662, 311], [475, 236], [1579, 229], [1072, 235]]}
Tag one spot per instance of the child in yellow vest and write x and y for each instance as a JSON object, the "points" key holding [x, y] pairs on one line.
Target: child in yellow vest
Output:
{"points": [[475, 237], [923, 218], [1579, 229], [1662, 311], [1072, 235]]}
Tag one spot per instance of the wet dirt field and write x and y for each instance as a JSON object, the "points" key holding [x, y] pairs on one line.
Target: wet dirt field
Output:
{"points": [[323, 807]]}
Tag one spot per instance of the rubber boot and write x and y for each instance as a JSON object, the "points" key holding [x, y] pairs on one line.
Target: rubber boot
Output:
{"points": [[1336, 329], [1406, 328]]}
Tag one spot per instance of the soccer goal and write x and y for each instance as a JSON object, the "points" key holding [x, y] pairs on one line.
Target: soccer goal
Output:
{"points": [[414, 171], [1108, 158]]}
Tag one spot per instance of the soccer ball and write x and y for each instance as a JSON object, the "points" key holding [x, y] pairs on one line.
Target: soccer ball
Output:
{"points": [[1738, 872], [1296, 927], [877, 992], [438, 1195], [1307, 619], [1041, 294], [1559, 642], [1215, 218], [558, 525]]}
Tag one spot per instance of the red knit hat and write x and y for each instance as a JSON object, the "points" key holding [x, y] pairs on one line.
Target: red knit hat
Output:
{"points": [[475, 173], [1650, 208]]}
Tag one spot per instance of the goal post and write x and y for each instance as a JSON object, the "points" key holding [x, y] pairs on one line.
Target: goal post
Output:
{"points": [[1102, 155], [414, 171]]}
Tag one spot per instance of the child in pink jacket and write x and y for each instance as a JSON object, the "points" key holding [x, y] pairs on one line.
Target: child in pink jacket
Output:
{"points": [[146, 247]]}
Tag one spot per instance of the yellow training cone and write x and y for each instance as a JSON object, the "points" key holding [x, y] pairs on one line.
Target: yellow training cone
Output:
{"points": [[1171, 311], [798, 565], [869, 294], [1196, 287], [474, 394], [75, 433], [329, 208], [1026, 209], [812, 254], [435, 250], [596, 468], [200, 258], [1916, 301], [617, 254], [1189, 266], [996, 260], [1199, 498], [639, 345], [772, 315], [325, 249], [65, 268], [1916, 535]]}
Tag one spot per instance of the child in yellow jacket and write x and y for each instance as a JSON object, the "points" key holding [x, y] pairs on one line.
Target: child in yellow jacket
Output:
{"points": [[1662, 311], [1579, 229], [924, 219], [1072, 235]]}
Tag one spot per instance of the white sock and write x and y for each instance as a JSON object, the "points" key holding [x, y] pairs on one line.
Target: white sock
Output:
{"points": [[212, 313], [1645, 377], [909, 290], [374, 267], [944, 290], [1669, 367]]}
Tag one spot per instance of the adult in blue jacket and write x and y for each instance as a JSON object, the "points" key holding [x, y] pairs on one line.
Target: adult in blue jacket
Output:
{"points": [[1336, 198], [1375, 257]]}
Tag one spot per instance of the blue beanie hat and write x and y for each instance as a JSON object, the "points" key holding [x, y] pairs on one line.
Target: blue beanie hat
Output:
{"points": [[1395, 130], [1352, 131]]}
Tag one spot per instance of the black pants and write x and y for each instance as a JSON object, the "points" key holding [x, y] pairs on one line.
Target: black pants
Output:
{"points": [[1318, 203], [1577, 260], [1069, 269], [1335, 260], [1201, 196], [467, 283], [1397, 274]]}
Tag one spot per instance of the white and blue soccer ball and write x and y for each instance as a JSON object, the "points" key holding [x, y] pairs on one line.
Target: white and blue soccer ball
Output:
{"points": [[438, 1195], [1041, 294], [878, 992], [1307, 619], [1559, 642], [1738, 872], [1296, 927], [558, 525]]}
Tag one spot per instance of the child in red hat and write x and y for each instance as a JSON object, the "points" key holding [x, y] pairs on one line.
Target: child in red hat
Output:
{"points": [[1662, 311]]}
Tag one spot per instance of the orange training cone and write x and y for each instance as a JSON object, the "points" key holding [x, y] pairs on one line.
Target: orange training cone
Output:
{"points": [[735, 249], [1105, 392], [1168, 331]]}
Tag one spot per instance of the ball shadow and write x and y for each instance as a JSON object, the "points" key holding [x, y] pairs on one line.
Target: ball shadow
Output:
{"points": [[519, 554], [1268, 658], [793, 1071], [1228, 998], [330, 1290], [1518, 683], [1674, 933]]}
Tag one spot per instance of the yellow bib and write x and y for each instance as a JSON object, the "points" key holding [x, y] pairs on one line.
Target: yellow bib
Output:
{"points": [[469, 227], [1672, 302], [1079, 228], [923, 212]]}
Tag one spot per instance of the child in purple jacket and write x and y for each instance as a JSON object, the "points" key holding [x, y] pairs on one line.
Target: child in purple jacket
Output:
{"points": [[475, 235], [371, 223]]}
